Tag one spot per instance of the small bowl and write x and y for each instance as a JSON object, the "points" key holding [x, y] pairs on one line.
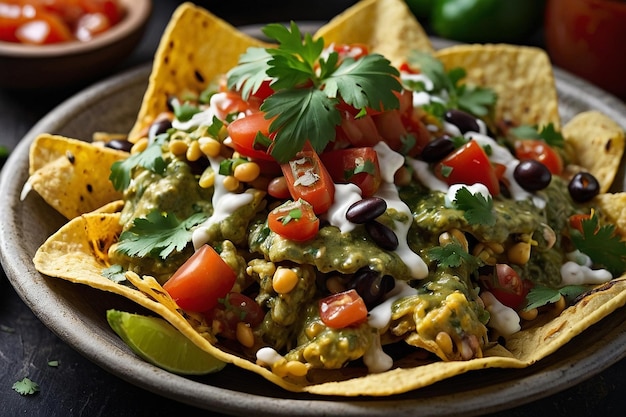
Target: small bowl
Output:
{"points": [[70, 63]]}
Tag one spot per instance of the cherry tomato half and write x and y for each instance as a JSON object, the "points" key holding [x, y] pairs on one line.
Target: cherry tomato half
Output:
{"points": [[342, 309], [294, 220], [358, 166], [201, 281], [507, 286]]}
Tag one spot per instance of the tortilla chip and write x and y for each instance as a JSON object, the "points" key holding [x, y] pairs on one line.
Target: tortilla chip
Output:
{"points": [[189, 57], [77, 253], [387, 26], [63, 172], [521, 77], [613, 207], [596, 142]]}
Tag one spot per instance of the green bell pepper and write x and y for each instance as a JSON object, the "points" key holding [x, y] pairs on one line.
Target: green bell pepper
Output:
{"points": [[486, 20]]}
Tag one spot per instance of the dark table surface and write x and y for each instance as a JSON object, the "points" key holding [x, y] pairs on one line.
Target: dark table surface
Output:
{"points": [[80, 388]]}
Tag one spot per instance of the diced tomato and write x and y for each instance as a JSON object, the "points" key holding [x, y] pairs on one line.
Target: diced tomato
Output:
{"points": [[294, 220], [507, 286], [358, 166], [243, 133], [354, 50], [342, 309], [233, 309], [201, 281], [576, 221], [229, 103], [357, 132], [43, 29], [540, 151], [90, 25], [469, 165], [308, 179]]}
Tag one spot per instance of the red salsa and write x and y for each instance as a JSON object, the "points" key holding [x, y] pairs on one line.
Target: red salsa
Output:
{"points": [[41, 22]]}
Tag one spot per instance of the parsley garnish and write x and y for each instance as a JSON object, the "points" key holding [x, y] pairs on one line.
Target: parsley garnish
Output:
{"points": [[26, 387], [158, 234], [452, 255], [601, 244], [477, 209], [547, 133], [473, 99], [294, 214], [151, 158], [184, 111], [308, 87]]}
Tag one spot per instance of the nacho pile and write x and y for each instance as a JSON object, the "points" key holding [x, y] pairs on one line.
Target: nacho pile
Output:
{"points": [[435, 305]]}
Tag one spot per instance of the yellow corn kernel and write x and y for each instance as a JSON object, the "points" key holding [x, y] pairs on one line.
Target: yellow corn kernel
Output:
{"points": [[207, 179], [284, 280], [178, 147], [231, 183], [193, 152], [247, 172], [209, 146], [519, 253], [559, 306], [296, 368], [139, 146], [528, 315], [244, 334], [444, 341]]}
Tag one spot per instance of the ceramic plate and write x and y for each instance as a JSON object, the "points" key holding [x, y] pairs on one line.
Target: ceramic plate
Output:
{"points": [[76, 313]]}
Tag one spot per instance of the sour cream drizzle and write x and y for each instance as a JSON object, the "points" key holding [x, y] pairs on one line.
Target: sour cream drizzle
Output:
{"points": [[224, 204]]}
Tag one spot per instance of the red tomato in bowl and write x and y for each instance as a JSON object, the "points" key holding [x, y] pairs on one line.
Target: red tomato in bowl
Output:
{"points": [[586, 38]]}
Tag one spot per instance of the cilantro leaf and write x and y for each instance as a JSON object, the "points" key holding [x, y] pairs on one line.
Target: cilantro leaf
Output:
{"points": [[477, 209], [548, 134], [601, 244], [540, 295], [158, 234], [26, 386], [184, 111], [452, 255], [301, 115], [308, 84], [475, 100], [151, 158]]}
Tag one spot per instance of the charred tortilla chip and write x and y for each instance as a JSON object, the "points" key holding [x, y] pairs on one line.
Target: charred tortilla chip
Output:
{"points": [[597, 143], [189, 57], [521, 77], [65, 174], [387, 26]]}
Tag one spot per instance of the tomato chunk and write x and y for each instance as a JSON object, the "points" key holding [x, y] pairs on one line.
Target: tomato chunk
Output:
{"points": [[507, 286], [342, 309], [233, 309], [469, 165], [201, 281], [540, 151], [243, 133], [358, 166], [294, 220], [308, 179]]}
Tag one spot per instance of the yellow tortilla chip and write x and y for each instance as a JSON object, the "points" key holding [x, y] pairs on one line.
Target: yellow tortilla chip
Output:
{"points": [[596, 142], [63, 172], [189, 57], [613, 207], [387, 26], [522, 78], [77, 253]]}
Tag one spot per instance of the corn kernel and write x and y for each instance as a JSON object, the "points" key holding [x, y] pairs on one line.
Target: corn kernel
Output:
{"points": [[231, 183], [444, 341], [244, 334], [296, 368], [139, 146], [247, 172], [207, 179], [178, 147], [528, 315], [519, 253], [193, 152], [284, 280], [209, 146]]}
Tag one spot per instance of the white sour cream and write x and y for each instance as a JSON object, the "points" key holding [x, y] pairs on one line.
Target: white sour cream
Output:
{"points": [[503, 319], [574, 274]]}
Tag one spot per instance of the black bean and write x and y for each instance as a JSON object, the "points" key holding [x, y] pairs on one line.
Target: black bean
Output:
{"points": [[158, 127], [382, 235], [583, 187], [532, 175], [366, 210], [120, 145], [464, 121], [371, 285], [437, 149]]}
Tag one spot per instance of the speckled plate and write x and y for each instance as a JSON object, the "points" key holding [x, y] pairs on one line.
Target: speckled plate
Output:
{"points": [[77, 313]]}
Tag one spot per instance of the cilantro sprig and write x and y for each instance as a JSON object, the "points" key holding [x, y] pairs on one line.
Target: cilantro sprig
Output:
{"points": [[476, 100], [151, 158], [158, 234], [477, 209], [540, 295], [547, 133], [453, 255], [601, 244], [308, 85]]}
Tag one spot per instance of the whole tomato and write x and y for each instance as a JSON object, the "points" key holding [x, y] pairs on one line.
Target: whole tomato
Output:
{"points": [[586, 38]]}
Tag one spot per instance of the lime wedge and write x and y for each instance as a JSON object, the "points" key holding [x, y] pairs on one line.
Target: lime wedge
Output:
{"points": [[161, 344]]}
